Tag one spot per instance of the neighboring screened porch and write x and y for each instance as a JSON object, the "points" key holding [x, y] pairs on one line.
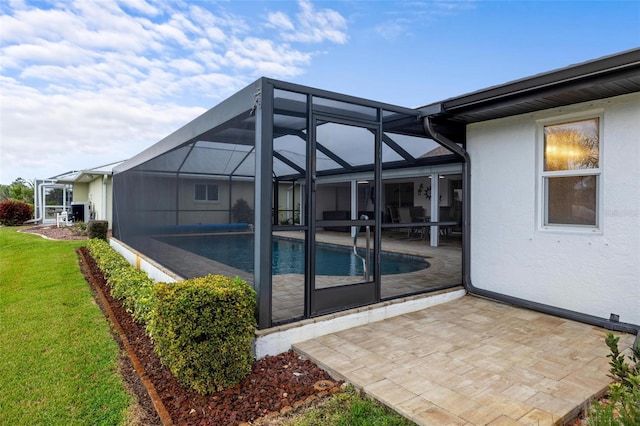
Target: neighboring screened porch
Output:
{"points": [[280, 182]]}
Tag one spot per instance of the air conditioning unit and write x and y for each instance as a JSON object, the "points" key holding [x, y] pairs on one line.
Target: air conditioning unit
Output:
{"points": [[80, 211]]}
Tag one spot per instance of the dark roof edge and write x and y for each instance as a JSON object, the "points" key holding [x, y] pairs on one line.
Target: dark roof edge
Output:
{"points": [[225, 110], [562, 76]]}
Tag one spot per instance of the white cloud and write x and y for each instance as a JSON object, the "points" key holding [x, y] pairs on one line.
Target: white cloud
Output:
{"points": [[83, 123], [251, 51], [310, 25], [399, 24], [393, 29], [28, 24], [106, 79], [280, 21], [447, 7], [60, 53], [229, 24], [186, 66], [140, 6], [320, 25]]}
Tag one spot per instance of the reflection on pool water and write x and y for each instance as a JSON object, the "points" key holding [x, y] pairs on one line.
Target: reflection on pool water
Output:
{"points": [[288, 255]]}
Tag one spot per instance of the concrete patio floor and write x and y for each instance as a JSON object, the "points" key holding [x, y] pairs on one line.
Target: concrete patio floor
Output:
{"points": [[472, 362]]}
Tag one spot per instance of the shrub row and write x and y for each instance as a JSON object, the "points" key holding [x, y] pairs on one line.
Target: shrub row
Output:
{"points": [[126, 283], [14, 212], [202, 328]]}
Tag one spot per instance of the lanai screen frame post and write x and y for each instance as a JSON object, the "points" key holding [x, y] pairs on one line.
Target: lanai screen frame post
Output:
{"points": [[263, 196]]}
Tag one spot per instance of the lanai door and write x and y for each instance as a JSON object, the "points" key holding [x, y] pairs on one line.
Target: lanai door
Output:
{"points": [[342, 205]]}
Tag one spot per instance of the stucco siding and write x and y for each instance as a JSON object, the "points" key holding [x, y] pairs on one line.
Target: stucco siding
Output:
{"points": [[96, 190], [80, 192], [596, 272]]}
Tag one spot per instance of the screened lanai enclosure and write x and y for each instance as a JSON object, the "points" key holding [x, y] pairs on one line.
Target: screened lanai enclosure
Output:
{"points": [[323, 202]]}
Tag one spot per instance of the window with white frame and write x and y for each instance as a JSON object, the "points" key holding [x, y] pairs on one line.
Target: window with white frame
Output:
{"points": [[571, 173], [206, 192]]}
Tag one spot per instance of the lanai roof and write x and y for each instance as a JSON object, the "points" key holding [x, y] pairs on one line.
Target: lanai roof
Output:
{"points": [[222, 140]]}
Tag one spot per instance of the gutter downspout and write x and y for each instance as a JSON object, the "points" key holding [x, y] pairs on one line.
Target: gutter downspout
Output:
{"points": [[104, 196], [39, 194], [39, 201], [466, 254]]}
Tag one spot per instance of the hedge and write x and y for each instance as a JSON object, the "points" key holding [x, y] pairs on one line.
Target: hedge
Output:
{"points": [[203, 330], [126, 283], [14, 212]]}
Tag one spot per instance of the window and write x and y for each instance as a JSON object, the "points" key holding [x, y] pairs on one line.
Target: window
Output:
{"points": [[571, 173], [206, 192]]}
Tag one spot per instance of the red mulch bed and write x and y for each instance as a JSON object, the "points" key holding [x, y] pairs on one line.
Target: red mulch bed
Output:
{"points": [[277, 384]]}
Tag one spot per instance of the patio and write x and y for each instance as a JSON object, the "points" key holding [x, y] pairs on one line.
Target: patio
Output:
{"points": [[472, 362]]}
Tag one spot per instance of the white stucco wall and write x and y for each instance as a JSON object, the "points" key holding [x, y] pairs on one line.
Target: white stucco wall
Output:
{"points": [[94, 192], [593, 272], [80, 191], [198, 212], [97, 192]]}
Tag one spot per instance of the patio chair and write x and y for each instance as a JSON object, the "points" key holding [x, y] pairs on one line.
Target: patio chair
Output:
{"points": [[418, 215], [405, 217], [62, 219], [392, 215]]}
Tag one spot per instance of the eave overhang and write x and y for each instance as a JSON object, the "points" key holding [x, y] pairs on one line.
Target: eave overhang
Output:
{"points": [[601, 78]]}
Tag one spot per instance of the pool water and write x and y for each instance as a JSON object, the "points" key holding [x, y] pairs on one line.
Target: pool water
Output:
{"points": [[288, 255]]}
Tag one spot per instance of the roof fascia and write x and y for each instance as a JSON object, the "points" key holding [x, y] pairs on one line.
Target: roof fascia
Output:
{"points": [[597, 69]]}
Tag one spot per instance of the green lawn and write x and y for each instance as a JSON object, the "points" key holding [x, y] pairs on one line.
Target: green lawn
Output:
{"points": [[350, 408], [58, 361]]}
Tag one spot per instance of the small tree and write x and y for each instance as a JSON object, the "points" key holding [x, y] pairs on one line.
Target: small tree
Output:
{"points": [[242, 213], [4, 192], [13, 212], [19, 190]]}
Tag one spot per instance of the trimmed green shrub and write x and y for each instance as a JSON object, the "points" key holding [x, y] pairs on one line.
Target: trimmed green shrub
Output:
{"points": [[13, 212], [130, 285], [97, 229], [107, 258], [623, 405], [203, 330]]}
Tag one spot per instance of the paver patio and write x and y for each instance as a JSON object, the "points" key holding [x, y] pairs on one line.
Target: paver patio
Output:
{"points": [[472, 362]]}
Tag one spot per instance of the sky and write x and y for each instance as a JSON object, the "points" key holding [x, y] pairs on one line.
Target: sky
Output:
{"points": [[88, 83]]}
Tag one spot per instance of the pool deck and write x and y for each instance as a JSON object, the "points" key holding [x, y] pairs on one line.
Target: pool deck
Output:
{"points": [[472, 361], [445, 269]]}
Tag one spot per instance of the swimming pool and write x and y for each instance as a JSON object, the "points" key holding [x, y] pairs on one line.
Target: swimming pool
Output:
{"points": [[288, 255]]}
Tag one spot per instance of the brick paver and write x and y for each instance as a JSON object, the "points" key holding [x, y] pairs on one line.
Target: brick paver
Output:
{"points": [[472, 362]]}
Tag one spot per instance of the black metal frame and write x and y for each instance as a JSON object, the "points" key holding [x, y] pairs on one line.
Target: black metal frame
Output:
{"points": [[328, 300], [247, 118]]}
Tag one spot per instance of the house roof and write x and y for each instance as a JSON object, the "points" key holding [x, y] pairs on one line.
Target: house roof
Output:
{"points": [[87, 175], [600, 78]]}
